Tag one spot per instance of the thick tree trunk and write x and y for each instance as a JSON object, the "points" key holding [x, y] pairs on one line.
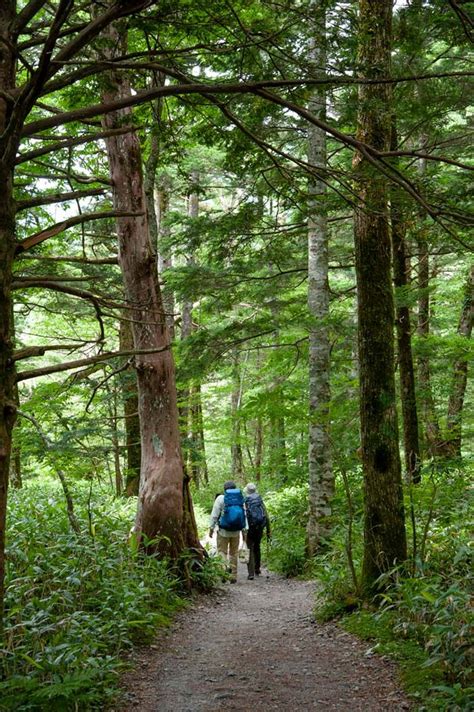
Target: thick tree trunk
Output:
{"points": [[165, 513], [7, 253], [403, 324], [132, 421], [321, 477], [384, 525], [451, 448]]}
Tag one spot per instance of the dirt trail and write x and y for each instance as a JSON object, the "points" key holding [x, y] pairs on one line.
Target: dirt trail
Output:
{"points": [[255, 646]]}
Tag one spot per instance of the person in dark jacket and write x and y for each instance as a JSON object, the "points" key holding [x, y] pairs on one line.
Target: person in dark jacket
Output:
{"points": [[257, 521]]}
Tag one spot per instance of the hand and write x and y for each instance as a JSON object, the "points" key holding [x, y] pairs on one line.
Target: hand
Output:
{"points": [[211, 533]]}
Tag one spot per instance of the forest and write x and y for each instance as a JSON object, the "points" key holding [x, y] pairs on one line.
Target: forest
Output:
{"points": [[235, 243]]}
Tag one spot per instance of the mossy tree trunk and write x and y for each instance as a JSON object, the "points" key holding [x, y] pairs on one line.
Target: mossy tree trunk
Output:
{"points": [[403, 324], [321, 477], [384, 524]]}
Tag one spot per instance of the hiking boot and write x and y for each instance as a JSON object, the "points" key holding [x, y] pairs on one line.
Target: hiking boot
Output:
{"points": [[250, 578], [233, 580], [257, 573]]}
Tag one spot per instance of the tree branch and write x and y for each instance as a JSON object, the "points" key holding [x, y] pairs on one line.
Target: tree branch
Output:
{"points": [[57, 198], [32, 351], [66, 258], [68, 143], [81, 293], [39, 237], [57, 368], [196, 88]]}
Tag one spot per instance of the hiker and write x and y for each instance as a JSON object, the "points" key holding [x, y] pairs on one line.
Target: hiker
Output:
{"points": [[229, 514], [257, 520]]}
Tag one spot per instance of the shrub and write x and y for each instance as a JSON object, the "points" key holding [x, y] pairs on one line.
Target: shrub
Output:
{"points": [[74, 604]]}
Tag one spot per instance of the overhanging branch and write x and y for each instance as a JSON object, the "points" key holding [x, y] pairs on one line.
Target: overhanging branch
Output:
{"points": [[59, 367], [56, 229]]}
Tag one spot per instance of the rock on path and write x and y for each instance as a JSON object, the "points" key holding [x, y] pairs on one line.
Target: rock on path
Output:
{"points": [[255, 646]]}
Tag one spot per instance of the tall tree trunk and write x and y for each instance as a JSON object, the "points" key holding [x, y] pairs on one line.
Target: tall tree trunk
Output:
{"points": [[164, 513], [321, 477], [431, 429], [384, 524], [162, 204], [403, 324], [198, 449], [451, 448], [186, 331], [236, 439], [7, 252], [130, 410], [258, 448]]}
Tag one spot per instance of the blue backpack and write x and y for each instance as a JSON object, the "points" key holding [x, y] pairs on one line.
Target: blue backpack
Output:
{"points": [[233, 516]]}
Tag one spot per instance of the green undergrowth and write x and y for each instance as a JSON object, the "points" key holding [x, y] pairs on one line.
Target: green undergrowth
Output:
{"points": [[75, 604], [417, 675], [422, 616]]}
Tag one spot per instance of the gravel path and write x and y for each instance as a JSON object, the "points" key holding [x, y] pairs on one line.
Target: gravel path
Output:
{"points": [[255, 646]]}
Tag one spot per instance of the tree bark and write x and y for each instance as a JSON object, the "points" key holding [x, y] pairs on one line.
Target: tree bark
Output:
{"points": [[431, 430], [321, 477], [165, 519], [162, 204], [403, 324], [384, 525], [258, 448], [236, 397], [7, 251]]}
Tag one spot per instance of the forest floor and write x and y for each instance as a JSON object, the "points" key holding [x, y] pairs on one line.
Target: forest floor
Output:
{"points": [[255, 645]]}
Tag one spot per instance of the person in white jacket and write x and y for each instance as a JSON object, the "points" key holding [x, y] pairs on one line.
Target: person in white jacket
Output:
{"points": [[228, 539]]}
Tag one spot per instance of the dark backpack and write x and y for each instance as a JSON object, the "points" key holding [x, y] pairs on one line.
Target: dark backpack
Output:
{"points": [[255, 511], [233, 516]]}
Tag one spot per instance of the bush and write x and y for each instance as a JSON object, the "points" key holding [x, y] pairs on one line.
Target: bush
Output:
{"points": [[288, 514], [74, 604]]}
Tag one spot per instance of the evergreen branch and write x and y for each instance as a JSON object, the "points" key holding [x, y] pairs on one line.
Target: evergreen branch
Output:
{"points": [[32, 351], [65, 289], [69, 365], [66, 258], [57, 198], [56, 229], [69, 142], [145, 95]]}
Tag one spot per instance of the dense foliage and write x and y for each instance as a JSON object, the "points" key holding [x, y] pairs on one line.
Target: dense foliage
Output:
{"points": [[76, 604]]}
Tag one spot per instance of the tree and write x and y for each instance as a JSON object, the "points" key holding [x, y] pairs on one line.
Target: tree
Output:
{"points": [[384, 526], [165, 516], [321, 478]]}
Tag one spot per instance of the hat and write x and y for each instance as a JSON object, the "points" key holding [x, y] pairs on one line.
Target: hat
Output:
{"points": [[250, 488], [230, 484]]}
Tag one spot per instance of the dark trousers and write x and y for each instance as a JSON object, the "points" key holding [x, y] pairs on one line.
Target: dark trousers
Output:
{"points": [[254, 537]]}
